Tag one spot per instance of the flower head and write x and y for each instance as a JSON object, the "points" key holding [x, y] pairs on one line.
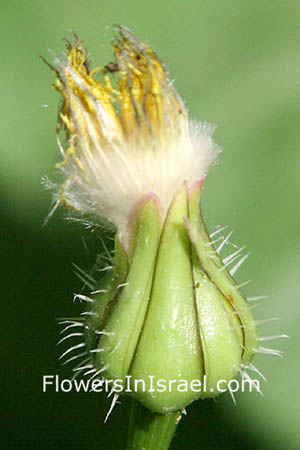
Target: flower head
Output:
{"points": [[126, 136], [168, 306]]}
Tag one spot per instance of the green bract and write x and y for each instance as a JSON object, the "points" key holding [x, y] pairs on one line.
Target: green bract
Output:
{"points": [[170, 310]]}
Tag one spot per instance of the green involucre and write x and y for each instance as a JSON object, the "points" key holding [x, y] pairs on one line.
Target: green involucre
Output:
{"points": [[171, 310]]}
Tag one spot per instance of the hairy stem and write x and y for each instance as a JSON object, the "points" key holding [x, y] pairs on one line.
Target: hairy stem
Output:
{"points": [[150, 431]]}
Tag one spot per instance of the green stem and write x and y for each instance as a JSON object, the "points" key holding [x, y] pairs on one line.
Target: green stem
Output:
{"points": [[150, 431]]}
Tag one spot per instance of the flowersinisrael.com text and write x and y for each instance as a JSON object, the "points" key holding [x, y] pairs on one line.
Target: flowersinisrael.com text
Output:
{"points": [[152, 384]]}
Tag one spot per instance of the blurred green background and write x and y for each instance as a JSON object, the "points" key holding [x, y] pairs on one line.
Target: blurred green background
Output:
{"points": [[236, 64]]}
